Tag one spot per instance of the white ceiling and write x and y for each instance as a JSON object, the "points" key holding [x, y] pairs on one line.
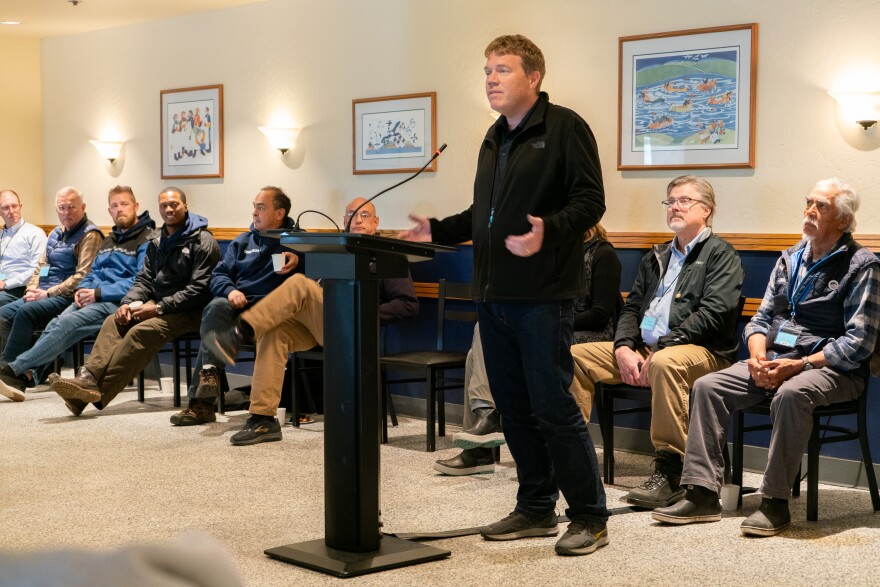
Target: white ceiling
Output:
{"points": [[52, 18]]}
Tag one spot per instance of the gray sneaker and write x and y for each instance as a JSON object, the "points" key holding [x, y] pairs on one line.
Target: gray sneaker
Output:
{"points": [[582, 537], [517, 525]]}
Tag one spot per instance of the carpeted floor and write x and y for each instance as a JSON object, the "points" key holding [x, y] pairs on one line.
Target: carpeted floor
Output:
{"points": [[125, 475]]}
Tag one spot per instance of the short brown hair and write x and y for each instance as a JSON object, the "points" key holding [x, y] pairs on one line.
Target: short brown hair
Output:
{"points": [[703, 187], [121, 189], [524, 48]]}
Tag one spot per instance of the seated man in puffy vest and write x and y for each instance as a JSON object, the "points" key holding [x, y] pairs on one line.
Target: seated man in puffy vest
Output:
{"points": [[241, 279], [70, 250], [165, 301], [119, 259], [810, 344]]}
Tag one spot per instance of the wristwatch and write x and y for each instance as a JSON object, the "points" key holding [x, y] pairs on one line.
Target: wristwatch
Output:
{"points": [[160, 309], [807, 364]]}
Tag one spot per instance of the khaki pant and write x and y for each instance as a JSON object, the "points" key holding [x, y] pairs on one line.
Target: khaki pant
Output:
{"points": [[672, 373], [121, 352], [476, 382], [289, 319]]}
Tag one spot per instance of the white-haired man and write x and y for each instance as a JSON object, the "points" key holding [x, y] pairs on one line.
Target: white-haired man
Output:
{"points": [[810, 344]]}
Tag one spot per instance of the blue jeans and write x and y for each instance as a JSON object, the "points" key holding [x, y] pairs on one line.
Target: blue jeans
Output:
{"points": [[529, 364], [10, 295], [19, 320], [218, 309], [65, 330]]}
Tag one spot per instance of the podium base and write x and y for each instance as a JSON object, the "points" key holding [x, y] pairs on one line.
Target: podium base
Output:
{"points": [[393, 553]]}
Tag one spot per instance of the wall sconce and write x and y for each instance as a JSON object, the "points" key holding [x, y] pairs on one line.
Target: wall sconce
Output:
{"points": [[108, 149], [862, 107], [282, 139]]}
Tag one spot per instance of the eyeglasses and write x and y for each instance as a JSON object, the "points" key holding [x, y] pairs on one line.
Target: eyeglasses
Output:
{"points": [[682, 203], [363, 215]]}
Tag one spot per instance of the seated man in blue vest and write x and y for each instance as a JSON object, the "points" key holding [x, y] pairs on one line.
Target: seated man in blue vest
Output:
{"points": [[70, 250], [22, 245], [242, 278], [810, 344]]}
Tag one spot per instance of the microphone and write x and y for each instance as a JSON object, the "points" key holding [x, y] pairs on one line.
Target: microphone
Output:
{"points": [[413, 176]]}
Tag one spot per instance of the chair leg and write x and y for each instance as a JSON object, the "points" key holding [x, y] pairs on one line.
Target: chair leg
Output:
{"points": [[441, 412], [223, 385], [736, 466], [432, 402], [866, 454], [141, 387], [608, 432], [386, 403], [293, 369], [175, 370], [188, 360], [813, 473]]}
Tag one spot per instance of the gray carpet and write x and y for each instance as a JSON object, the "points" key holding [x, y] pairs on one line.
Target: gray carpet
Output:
{"points": [[125, 475]]}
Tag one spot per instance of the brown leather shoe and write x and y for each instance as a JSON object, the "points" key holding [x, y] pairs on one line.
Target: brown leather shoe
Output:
{"points": [[198, 412], [83, 387]]}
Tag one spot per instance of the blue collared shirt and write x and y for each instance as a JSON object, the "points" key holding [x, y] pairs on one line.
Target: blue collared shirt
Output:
{"points": [[21, 247], [656, 320]]}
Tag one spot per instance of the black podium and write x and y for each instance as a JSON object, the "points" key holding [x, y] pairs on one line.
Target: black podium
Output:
{"points": [[350, 266]]}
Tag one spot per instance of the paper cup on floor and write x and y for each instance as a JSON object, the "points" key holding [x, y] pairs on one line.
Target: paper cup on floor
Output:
{"points": [[277, 262], [281, 415], [166, 384], [729, 497]]}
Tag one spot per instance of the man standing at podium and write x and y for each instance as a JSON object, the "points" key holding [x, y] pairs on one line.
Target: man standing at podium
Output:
{"points": [[291, 319], [538, 188]]}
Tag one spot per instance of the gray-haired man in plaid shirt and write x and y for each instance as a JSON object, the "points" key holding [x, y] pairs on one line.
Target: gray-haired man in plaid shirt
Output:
{"points": [[810, 344]]}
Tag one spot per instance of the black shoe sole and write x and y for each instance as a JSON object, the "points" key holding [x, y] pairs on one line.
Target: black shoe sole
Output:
{"points": [[526, 533]]}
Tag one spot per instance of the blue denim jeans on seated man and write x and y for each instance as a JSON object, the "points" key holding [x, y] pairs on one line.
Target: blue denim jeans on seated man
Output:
{"points": [[19, 320], [527, 348], [65, 330]]}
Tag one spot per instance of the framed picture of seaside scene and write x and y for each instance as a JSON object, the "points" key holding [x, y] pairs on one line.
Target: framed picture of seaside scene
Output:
{"points": [[687, 99], [191, 122], [394, 134]]}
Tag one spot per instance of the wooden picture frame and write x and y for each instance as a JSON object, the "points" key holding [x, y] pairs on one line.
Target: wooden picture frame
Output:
{"points": [[687, 99], [191, 123], [394, 134]]}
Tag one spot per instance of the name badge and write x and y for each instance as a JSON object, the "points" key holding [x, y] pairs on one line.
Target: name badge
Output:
{"points": [[648, 322], [44, 270], [788, 334], [2, 276]]}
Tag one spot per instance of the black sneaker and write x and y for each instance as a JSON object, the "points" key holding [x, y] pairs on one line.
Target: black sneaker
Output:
{"points": [[468, 462], [209, 384], [257, 429], [771, 518], [662, 487], [582, 537], [12, 385], [699, 505], [517, 525], [485, 432]]}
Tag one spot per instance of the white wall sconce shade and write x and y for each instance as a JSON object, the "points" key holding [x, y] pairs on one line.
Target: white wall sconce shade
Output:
{"points": [[861, 107], [282, 139], [108, 149]]}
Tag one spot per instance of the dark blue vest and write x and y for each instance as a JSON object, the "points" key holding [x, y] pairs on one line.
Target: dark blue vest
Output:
{"points": [[60, 252]]}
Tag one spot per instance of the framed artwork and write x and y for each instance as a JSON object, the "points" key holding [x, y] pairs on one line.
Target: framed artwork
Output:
{"points": [[687, 99], [395, 134], [191, 122]]}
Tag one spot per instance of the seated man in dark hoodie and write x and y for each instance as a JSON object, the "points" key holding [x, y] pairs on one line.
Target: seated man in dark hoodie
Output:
{"points": [[291, 319], [241, 279], [166, 301], [119, 258]]}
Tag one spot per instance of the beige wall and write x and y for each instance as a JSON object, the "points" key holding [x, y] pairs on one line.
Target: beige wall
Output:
{"points": [[21, 143], [308, 60]]}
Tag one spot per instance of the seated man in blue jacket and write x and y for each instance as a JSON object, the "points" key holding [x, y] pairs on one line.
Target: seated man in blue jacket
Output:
{"points": [[291, 319], [70, 250], [242, 278], [165, 301], [118, 260]]}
